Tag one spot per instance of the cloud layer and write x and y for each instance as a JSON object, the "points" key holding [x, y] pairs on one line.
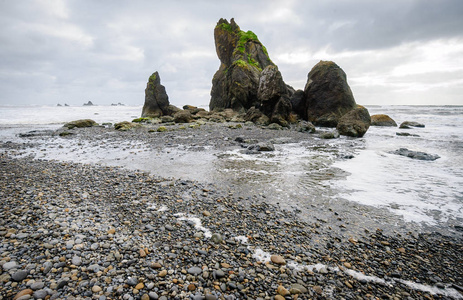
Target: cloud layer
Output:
{"points": [[394, 52]]}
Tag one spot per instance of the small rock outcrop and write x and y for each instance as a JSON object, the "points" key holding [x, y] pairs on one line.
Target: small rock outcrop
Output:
{"points": [[416, 154], [247, 77], [327, 95], [410, 124], [382, 120], [156, 99], [355, 123], [89, 103]]}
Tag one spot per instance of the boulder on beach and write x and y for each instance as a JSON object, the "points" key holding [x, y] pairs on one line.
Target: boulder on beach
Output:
{"points": [[327, 95], [410, 124], [355, 123], [125, 125], [156, 99], [416, 154], [80, 123], [382, 120], [183, 116], [247, 77]]}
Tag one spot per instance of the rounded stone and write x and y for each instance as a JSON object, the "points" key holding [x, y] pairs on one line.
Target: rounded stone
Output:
{"points": [[40, 294], [96, 289], [277, 259], [195, 271], [19, 275]]}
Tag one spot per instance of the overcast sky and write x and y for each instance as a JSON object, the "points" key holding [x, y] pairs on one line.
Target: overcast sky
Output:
{"points": [[393, 52]]}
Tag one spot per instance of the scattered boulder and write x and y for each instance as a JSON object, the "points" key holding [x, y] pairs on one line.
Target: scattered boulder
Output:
{"points": [[183, 116], [327, 95], [156, 99], [80, 123], [416, 154], [410, 124], [355, 123], [382, 120], [304, 126], [124, 126], [256, 116], [330, 135], [89, 103], [33, 133]]}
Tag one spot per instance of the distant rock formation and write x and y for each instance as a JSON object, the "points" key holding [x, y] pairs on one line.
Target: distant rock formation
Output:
{"points": [[382, 120], [89, 103], [156, 99], [327, 96], [247, 77]]}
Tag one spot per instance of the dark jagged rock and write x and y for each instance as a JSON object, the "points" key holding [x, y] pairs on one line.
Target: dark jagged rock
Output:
{"points": [[156, 99], [89, 103], [236, 84], [355, 123], [416, 154], [382, 120], [298, 104], [327, 95], [80, 123], [256, 116], [273, 96], [406, 134], [410, 124]]}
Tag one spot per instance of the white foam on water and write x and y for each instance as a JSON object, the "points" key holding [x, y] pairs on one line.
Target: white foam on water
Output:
{"points": [[448, 291], [241, 238], [163, 208], [198, 224], [261, 255]]}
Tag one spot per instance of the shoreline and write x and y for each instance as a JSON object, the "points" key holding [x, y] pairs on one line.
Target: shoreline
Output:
{"points": [[97, 228]]}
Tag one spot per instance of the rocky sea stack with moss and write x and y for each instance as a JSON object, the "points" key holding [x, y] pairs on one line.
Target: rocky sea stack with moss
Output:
{"points": [[156, 99], [247, 77]]}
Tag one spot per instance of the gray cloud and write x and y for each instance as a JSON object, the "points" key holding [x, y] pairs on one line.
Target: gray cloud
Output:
{"points": [[75, 51]]}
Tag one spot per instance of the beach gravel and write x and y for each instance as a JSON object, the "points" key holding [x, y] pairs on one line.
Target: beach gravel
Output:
{"points": [[78, 231]]}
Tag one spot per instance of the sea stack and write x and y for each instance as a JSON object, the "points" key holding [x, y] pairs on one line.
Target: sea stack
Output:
{"points": [[327, 95], [247, 78], [156, 99]]}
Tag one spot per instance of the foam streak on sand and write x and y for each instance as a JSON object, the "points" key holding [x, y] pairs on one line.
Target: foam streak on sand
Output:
{"points": [[197, 222], [448, 291]]}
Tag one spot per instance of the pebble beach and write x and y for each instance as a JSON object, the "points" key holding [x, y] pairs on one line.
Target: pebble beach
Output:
{"points": [[85, 231]]}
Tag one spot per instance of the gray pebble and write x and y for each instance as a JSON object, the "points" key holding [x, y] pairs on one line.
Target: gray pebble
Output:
{"points": [[10, 265], [195, 271], [19, 275], [40, 294]]}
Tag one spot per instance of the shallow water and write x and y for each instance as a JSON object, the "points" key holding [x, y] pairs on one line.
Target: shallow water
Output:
{"points": [[315, 176]]}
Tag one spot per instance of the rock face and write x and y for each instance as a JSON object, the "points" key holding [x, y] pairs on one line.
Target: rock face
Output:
{"points": [[327, 95], [355, 123], [247, 77], [382, 120], [156, 99]]}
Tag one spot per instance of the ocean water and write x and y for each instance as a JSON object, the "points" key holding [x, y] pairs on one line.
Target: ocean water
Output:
{"points": [[316, 177]]}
